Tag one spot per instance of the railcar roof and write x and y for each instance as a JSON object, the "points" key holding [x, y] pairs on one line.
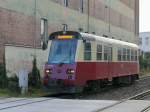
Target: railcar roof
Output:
{"points": [[87, 36]]}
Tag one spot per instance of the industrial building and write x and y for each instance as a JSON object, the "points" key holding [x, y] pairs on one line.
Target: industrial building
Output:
{"points": [[21, 20], [144, 42]]}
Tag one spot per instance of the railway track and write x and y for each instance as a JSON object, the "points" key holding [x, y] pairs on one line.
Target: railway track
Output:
{"points": [[136, 97], [12, 103], [62, 96], [20, 102], [146, 109], [104, 90], [143, 78]]}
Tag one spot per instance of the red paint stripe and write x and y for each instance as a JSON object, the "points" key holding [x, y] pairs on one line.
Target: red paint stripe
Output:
{"points": [[101, 70]]}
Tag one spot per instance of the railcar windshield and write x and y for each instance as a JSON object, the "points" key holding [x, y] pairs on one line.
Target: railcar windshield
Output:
{"points": [[62, 51]]}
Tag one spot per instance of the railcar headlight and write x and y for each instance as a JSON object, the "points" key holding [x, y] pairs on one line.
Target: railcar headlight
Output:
{"points": [[48, 71], [70, 71]]}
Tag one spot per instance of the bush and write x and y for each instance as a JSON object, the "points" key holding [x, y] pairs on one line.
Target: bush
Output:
{"points": [[13, 84], [34, 76], [145, 62], [3, 77]]}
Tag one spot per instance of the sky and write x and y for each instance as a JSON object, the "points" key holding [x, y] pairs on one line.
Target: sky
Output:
{"points": [[144, 15]]}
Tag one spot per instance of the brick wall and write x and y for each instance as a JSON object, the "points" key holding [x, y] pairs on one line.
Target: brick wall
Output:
{"points": [[18, 25]]}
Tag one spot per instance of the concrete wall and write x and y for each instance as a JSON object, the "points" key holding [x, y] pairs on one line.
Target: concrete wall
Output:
{"points": [[18, 57]]}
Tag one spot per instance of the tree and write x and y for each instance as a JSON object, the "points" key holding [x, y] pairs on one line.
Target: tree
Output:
{"points": [[34, 76], [145, 61]]}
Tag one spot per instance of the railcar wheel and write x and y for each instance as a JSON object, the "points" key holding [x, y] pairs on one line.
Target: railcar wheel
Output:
{"points": [[92, 86], [134, 78], [125, 80], [116, 81]]}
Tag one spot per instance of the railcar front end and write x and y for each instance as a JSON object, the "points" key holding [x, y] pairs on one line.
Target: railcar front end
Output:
{"points": [[61, 65]]}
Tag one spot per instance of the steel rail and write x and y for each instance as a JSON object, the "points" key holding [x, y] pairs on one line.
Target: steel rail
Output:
{"points": [[13, 100], [146, 109], [135, 97], [28, 103]]}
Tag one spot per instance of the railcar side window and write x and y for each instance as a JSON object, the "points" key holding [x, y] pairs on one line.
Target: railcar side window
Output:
{"points": [[107, 53], [119, 54], [99, 52], [128, 54], [124, 54], [132, 55], [136, 57], [87, 51]]}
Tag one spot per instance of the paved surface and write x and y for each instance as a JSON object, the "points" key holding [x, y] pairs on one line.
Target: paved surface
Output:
{"points": [[65, 105], [129, 106], [51, 105]]}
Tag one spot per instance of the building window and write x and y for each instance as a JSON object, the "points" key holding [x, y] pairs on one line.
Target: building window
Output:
{"points": [[66, 3], [140, 41], [44, 26], [44, 30], [147, 40], [87, 51], [99, 52], [81, 6]]}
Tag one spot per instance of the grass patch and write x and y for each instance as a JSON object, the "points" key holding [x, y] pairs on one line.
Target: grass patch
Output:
{"points": [[8, 93], [31, 93], [4, 92], [144, 72]]}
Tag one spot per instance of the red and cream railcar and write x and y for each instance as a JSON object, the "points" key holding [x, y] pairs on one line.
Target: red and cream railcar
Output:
{"points": [[81, 59]]}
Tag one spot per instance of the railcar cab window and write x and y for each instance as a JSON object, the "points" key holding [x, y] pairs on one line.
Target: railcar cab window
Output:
{"points": [[87, 51], [99, 52], [62, 51]]}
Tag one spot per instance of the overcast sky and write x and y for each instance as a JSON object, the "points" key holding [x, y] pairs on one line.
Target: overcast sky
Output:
{"points": [[144, 15]]}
